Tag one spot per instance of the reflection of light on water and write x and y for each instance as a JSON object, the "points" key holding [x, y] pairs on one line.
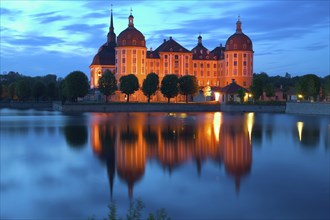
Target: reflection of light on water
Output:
{"points": [[217, 119], [300, 126], [250, 120]]}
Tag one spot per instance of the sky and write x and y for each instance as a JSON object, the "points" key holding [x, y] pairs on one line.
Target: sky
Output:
{"points": [[58, 37]]}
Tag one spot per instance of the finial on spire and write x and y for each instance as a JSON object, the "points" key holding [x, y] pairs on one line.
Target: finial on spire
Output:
{"points": [[111, 7], [239, 25], [130, 19], [131, 11]]}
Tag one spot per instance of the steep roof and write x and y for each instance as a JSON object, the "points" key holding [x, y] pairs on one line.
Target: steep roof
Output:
{"points": [[232, 88], [105, 56], [171, 46]]}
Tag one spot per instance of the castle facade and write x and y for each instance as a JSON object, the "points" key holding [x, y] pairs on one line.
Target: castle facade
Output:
{"points": [[216, 68]]}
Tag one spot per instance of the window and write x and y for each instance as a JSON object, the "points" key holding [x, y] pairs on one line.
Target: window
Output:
{"points": [[166, 64], [142, 61], [124, 42], [186, 57], [244, 63], [176, 57], [134, 69], [214, 73], [208, 73], [123, 68], [134, 51], [195, 65], [244, 83], [124, 51], [202, 73], [176, 64], [134, 42], [235, 55], [142, 52], [235, 72], [151, 64], [134, 60], [235, 63], [235, 46], [208, 65], [195, 73], [165, 56], [215, 65], [123, 60], [201, 65], [187, 65], [244, 72], [244, 55], [157, 64]]}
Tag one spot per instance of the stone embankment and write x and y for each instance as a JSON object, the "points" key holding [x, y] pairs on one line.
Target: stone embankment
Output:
{"points": [[27, 105], [308, 108]]}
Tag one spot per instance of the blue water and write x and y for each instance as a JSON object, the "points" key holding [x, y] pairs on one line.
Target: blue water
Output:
{"points": [[195, 165]]}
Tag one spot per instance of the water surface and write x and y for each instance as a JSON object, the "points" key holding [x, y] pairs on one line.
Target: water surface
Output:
{"points": [[196, 165]]}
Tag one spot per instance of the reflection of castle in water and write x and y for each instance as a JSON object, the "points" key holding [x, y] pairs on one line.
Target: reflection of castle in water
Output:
{"points": [[127, 141]]}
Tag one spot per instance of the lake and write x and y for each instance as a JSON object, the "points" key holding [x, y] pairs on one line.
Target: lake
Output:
{"points": [[195, 165]]}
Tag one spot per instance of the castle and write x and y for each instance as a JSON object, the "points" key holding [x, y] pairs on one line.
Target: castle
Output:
{"points": [[217, 68]]}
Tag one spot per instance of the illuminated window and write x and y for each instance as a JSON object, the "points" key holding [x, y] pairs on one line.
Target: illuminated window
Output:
{"points": [[176, 64]]}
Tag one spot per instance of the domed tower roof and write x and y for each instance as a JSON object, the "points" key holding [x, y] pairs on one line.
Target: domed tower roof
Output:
{"points": [[239, 41], [105, 56], [131, 36]]}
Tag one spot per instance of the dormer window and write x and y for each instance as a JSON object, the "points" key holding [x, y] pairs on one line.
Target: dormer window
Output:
{"points": [[134, 42]]}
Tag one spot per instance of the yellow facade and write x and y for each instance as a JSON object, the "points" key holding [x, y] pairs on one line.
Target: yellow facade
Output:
{"points": [[216, 68]]}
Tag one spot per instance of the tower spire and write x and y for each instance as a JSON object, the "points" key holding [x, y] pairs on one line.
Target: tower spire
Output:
{"points": [[131, 19], [239, 25], [111, 37]]}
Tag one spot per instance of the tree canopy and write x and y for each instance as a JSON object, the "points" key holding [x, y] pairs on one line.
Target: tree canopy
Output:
{"points": [[188, 85], [169, 86], [108, 84], [129, 84], [23, 90], [76, 85], [38, 90], [309, 85], [150, 85]]}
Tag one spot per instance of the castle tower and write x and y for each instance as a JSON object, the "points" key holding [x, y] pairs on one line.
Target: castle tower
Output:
{"points": [[131, 52], [238, 59], [105, 57]]}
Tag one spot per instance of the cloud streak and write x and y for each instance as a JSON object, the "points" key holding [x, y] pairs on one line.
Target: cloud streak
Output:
{"points": [[284, 31]]}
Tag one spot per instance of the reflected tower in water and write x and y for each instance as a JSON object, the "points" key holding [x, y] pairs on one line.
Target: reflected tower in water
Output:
{"points": [[127, 140]]}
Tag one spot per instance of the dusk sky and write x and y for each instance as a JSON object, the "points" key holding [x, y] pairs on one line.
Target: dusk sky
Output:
{"points": [[58, 37]]}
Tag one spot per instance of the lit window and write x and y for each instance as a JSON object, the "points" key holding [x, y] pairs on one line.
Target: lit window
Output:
{"points": [[176, 64]]}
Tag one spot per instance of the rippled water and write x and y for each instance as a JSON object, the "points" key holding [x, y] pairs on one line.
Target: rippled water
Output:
{"points": [[195, 165]]}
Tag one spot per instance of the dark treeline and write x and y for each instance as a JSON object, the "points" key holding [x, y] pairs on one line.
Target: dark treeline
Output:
{"points": [[15, 86]]}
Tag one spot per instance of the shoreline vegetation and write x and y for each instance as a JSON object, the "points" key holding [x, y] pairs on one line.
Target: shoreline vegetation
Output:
{"points": [[308, 108]]}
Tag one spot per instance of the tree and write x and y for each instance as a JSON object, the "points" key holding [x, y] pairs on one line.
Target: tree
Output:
{"points": [[269, 90], [326, 86], [169, 86], [23, 90], [76, 85], [308, 85], [188, 85], [38, 90], [150, 85], [108, 84], [129, 84], [51, 90], [207, 91], [11, 90], [1, 90], [256, 87], [241, 93]]}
